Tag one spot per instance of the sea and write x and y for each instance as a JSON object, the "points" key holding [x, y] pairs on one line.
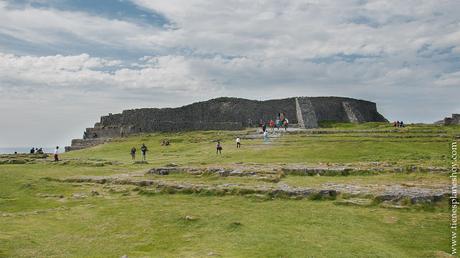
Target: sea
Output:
{"points": [[11, 150]]}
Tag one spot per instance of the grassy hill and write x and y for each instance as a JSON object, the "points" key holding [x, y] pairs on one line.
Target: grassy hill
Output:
{"points": [[50, 209]]}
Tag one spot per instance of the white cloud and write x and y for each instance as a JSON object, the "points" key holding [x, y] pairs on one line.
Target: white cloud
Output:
{"points": [[402, 54], [51, 26], [306, 29], [165, 72]]}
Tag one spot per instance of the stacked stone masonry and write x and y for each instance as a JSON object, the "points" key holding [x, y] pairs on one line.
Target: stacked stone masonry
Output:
{"points": [[228, 114], [454, 120]]}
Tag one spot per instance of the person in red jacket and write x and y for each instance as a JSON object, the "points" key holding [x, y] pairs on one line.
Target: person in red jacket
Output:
{"points": [[272, 125]]}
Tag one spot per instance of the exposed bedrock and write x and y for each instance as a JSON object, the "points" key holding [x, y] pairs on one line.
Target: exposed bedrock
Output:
{"points": [[379, 193]]}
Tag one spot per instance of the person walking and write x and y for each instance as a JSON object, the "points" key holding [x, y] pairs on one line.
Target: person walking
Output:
{"points": [[144, 151], [238, 142], [56, 152], [133, 153], [266, 137], [218, 148]]}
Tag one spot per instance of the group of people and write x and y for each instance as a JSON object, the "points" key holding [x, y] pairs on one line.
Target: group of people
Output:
{"points": [[40, 151], [281, 121], [144, 150], [36, 150], [219, 145], [398, 124]]}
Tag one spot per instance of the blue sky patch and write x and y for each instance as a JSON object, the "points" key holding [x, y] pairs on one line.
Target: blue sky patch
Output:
{"points": [[111, 9]]}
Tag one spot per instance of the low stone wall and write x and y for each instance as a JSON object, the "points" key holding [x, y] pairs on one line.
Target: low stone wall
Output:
{"points": [[78, 144], [454, 120]]}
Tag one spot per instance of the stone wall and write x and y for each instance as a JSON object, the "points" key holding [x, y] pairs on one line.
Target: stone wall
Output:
{"points": [[317, 109], [454, 120], [230, 114], [306, 113], [215, 114], [332, 109]]}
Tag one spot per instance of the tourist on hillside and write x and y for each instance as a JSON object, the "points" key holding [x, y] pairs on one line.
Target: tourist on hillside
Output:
{"points": [[56, 152], [133, 153], [277, 123], [144, 151], [266, 137], [238, 142], [398, 124], [32, 151], [218, 148], [286, 124], [271, 123]]}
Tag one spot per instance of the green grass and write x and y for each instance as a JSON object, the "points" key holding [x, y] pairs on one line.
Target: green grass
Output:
{"points": [[42, 218], [155, 226], [198, 148]]}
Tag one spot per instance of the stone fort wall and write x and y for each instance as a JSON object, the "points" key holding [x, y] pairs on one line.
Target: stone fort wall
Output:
{"points": [[229, 114], [453, 120]]}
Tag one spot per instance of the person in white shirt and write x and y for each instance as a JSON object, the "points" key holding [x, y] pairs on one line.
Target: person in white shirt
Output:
{"points": [[266, 137], [238, 142], [56, 151]]}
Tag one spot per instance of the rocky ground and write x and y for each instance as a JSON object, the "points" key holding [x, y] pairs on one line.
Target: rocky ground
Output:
{"points": [[403, 193]]}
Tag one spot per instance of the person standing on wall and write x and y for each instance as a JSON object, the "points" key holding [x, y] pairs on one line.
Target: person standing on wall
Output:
{"points": [[144, 151], [56, 152]]}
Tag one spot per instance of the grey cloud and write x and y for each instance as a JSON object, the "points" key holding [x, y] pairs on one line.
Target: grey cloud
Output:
{"points": [[402, 54]]}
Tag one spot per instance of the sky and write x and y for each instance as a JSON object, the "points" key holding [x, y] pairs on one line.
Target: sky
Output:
{"points": [[65, 63]]}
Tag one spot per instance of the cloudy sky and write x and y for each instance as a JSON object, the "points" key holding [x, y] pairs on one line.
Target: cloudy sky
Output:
{"points": [[63, 63]]}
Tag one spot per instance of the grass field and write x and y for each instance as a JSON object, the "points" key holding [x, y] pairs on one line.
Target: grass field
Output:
{"points": [[40, 217]]}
